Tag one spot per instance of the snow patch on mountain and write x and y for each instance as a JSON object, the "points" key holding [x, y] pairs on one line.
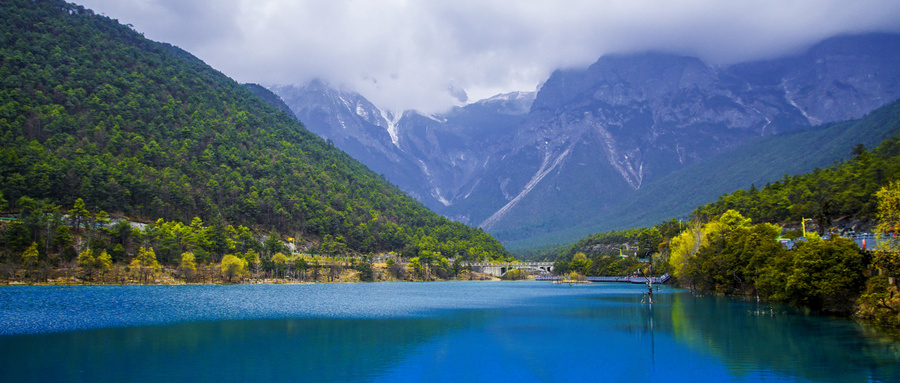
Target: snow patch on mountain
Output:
{"points": [[392, 119], [546, 167]]}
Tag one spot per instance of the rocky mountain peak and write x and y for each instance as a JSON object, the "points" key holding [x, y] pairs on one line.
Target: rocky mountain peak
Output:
{"points": [[527, 164]]}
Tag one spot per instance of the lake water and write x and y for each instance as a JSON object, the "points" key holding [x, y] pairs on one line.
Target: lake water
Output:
{"points": [[422, 332]]}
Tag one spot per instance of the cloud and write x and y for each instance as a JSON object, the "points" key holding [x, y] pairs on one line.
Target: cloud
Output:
{"points": [[404, 54]]}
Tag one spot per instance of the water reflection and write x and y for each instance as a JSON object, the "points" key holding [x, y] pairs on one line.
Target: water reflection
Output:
{"points": [[334, 350], [522, 332], [811, 347]]}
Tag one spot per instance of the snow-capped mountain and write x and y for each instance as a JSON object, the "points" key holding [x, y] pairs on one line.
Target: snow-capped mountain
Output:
{"points": [[434, 158], [528, 164]]}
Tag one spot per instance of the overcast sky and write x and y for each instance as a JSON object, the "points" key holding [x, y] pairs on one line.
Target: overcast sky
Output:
{"points": [[408, 54]]}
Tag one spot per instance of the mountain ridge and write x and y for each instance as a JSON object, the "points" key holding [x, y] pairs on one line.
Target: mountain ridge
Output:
{"points": [[782, 155], [596, 135]]}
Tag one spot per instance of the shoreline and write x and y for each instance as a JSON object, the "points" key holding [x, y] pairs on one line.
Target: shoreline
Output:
{"points": [[264, 281]]}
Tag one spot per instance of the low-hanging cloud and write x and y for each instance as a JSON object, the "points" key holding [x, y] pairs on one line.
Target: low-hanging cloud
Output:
{"points": [[404, 54]]}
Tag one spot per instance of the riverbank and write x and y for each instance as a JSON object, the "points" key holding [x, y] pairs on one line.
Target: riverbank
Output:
{"points": [[211, 275]]}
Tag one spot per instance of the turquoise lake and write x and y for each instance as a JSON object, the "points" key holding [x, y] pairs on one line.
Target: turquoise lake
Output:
{"points": [[423, 332]]}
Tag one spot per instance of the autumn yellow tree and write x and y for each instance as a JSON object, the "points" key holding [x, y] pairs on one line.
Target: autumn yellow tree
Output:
{"points": [[880, 301], [30, 256], [85, 260], [281, 263], [252, 259], [187, 270], [144, 264], [887, 255], [102, 263], [684, 247], [889, 207], [233, 266], [94, 265]]}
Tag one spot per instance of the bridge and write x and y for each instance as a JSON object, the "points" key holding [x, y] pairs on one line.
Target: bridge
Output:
{"points": [[500, 269]]}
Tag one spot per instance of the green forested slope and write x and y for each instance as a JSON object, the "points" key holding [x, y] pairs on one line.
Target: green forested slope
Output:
{"points": [[90, 109], [846, 191], [731, 245], [766, 160], [269, 97]]}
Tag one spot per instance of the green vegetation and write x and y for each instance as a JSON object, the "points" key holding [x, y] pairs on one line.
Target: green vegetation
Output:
{"points": [[616, 253], [825, 195], [728, 255], [97, 118], [731, 246], [269, 97], [764, 160], [515, 275], [172, 252], [825, 275]]}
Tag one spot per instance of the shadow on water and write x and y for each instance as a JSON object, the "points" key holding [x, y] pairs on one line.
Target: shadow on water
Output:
{"points": [[309, 349]]}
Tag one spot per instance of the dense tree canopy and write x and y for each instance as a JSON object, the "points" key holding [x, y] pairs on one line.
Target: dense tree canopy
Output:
{"points": [[97, 118], [616, 253], [731, 246], [847, 189]]}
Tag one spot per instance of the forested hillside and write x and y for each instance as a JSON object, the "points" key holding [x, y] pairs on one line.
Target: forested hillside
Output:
{"points": [[761, 161], [835, 197], [269, 97], [91, 110], [731, 246]]}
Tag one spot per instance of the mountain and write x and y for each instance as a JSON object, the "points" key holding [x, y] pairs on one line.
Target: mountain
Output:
{"points": [[434, 158], [592, 139], [759, 162], [638, 118], [357, 127], [91, 110], [836, 198], [840, 79], [269, 97]]}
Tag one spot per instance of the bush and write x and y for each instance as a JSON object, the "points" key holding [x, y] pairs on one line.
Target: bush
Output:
{"points": [[822, 275], [515, 275]]}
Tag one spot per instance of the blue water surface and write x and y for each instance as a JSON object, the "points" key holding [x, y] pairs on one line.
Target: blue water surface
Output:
{"points": [[423, 332]]}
